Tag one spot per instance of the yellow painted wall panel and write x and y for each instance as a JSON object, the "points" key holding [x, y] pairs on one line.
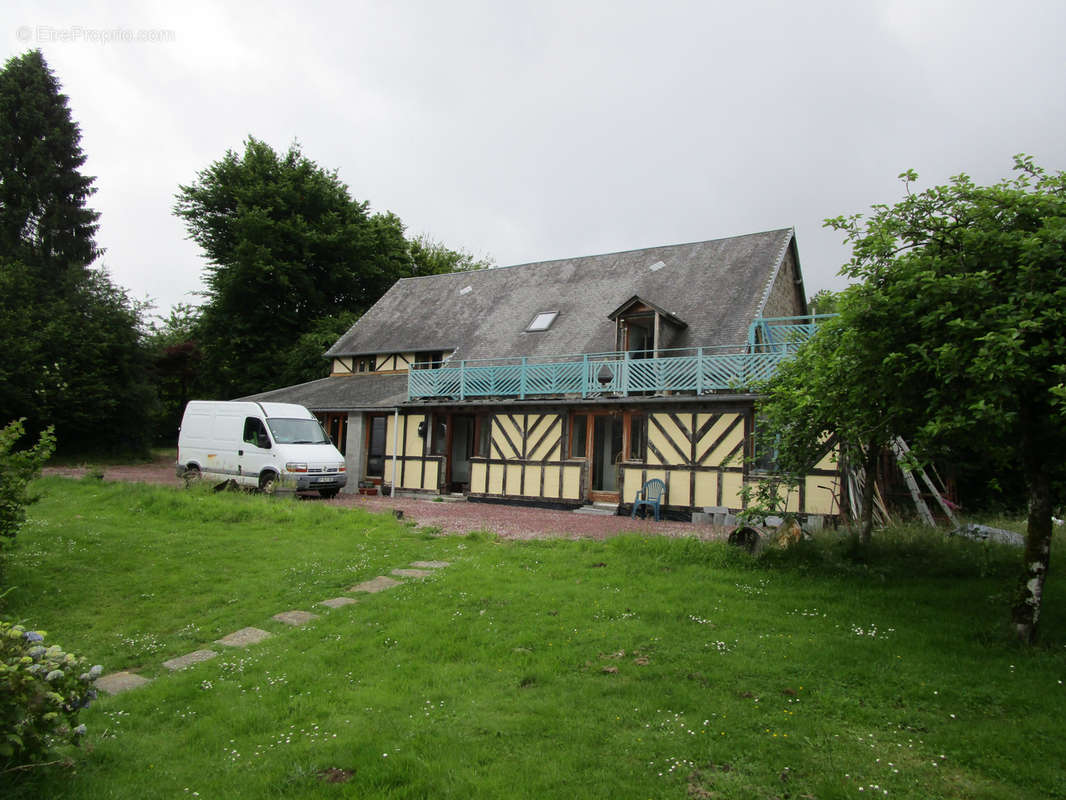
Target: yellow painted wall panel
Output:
{"points": [[532, 488], [503, 429], [514, 478], [551, 481], [821, 500], [572, 482], [477, 476], [719, 458], [830, 460], [389, 433], [631, 484], [415, 444], [678, 495], [731, 483], [495, 479], [658, 441], [706, 489], [711, 437], [549, 449], [674, 442], [432, 475]]}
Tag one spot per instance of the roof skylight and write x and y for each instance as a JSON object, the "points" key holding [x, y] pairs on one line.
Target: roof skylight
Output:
{"points": [[543, 321]]}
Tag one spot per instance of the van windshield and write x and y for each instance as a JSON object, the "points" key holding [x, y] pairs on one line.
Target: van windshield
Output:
{"points": [[297, 431]]}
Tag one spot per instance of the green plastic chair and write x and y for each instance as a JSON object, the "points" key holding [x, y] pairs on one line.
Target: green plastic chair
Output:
{"points": [[650, 495]]}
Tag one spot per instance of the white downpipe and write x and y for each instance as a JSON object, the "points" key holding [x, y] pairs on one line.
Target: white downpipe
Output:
{"points": [[395, 448]]}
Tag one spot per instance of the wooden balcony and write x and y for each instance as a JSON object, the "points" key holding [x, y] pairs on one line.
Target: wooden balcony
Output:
{"points": [[696, 370]]}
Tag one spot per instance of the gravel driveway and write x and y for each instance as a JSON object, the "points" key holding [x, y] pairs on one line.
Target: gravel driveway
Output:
{"points": [[508, 522]]}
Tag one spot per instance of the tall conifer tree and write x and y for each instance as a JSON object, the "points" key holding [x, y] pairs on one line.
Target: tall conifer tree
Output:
{"points": [[71, 353]]}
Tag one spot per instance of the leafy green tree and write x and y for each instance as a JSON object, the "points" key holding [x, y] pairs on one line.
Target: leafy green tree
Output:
{"points": [[70, 345], [958, 328], [44, 220], [286, 246], [175, 357], [304, 361], [433, 258], [833, 386], [825, 301]]}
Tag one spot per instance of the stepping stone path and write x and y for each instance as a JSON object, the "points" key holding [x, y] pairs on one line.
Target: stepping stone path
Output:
{"points": [[244, 637], [337, 602], [117, 682], [412, 573], [378, 584], [195, 657], [295, 617]]}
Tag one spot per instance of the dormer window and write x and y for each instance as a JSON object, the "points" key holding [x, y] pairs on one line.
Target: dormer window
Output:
{"points": [[542, 321]]}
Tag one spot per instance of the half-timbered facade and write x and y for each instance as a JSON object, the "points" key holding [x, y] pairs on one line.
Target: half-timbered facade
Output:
{"points": [[574, 381]]}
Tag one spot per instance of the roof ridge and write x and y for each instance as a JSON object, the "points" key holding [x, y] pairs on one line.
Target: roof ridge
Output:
{"points": [[596, 255], [778, 261]]}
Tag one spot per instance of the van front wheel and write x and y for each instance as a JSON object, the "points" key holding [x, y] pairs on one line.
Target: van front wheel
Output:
{"points": [[268, 482]]}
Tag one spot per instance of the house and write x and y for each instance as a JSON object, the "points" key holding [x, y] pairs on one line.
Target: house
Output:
{"points": [[574, 381]]}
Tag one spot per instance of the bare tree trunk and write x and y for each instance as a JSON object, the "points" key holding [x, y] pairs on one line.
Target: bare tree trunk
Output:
{"points": [[873, 454], [1026, 611]]}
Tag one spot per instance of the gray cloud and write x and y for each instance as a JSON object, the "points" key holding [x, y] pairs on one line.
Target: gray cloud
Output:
{"points": [[531, 131]]}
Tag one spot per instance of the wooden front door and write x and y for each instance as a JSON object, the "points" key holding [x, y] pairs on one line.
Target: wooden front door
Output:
{"points": [[598, 438]]}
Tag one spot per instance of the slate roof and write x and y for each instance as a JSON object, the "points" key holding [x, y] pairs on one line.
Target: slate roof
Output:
{"points": [[717, 287], [363, 392]]}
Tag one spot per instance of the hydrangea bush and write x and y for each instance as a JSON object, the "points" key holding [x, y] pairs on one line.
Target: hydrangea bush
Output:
{"points": [[42, 690]]}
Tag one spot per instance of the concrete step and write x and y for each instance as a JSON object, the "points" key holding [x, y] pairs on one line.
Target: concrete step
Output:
{"points": [[600, 509]]}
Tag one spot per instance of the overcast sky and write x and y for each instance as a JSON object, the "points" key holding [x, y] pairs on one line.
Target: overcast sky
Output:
{"points": [[532, 131]]}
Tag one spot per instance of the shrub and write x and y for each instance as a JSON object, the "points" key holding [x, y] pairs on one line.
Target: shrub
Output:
{"points": [[17, 469], [42, 690]]}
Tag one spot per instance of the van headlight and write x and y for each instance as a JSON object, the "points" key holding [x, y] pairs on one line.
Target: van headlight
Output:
{"points": [[295, 466]]}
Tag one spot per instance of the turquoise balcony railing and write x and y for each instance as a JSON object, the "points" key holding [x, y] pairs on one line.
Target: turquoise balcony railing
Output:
{"points": [[699, 370]]}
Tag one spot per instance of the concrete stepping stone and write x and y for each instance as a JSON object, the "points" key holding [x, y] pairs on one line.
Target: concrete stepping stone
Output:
{"points": [[378, 584], [430, 564], [295, 617], [187, 660], [337, 602], [118, 682], [244, 637], [413, 573]]}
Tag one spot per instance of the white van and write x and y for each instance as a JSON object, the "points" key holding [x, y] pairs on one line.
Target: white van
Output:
{"points": [[272, 446]]}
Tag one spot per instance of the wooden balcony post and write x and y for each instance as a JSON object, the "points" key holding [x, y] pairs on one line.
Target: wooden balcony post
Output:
{"points": [[699, 370]]}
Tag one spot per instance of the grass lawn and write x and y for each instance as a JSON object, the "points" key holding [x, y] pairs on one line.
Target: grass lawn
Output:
{"points": [[638, 667]]}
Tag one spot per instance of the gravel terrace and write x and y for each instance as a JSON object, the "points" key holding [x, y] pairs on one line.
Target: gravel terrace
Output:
{"points": [[508, 522]]}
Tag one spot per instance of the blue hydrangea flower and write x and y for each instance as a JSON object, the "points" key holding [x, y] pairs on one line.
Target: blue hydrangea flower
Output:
{"points": [[33, 636], [54, 675]]}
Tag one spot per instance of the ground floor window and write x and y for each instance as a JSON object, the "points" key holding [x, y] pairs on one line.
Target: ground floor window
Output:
{"points": [[336, 427], [375, 445]]}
